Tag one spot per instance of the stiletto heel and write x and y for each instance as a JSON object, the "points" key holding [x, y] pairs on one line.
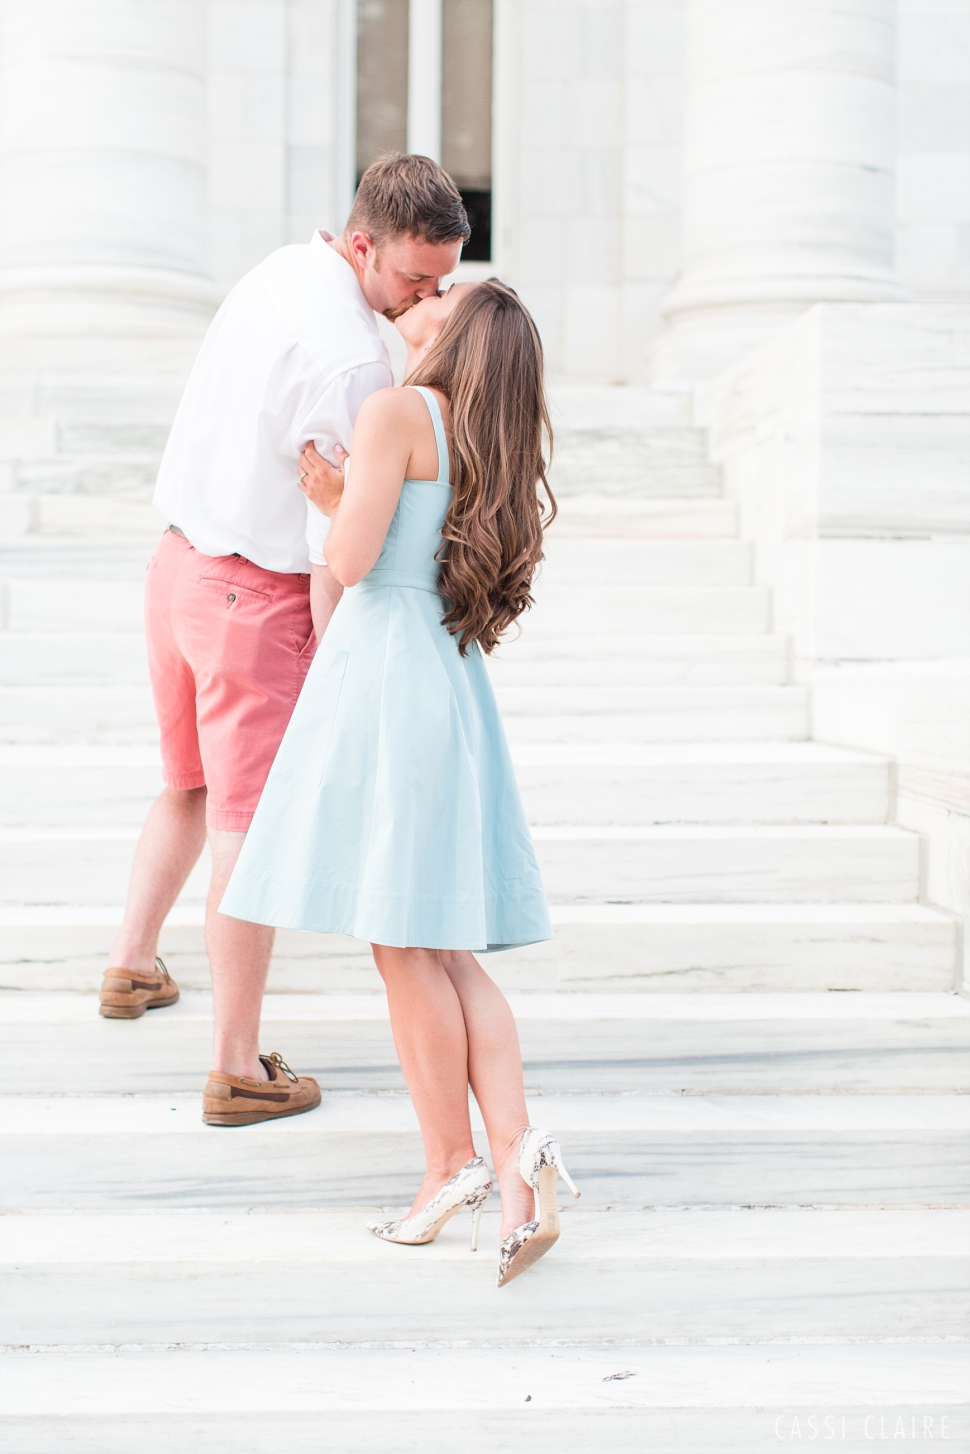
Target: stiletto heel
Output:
{"points": [[470, 1187], [560, 1167], [540, 1165]]}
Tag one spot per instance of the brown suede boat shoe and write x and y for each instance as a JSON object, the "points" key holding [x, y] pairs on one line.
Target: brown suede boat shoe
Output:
{"points": [[235, 1100], [128, 993]]}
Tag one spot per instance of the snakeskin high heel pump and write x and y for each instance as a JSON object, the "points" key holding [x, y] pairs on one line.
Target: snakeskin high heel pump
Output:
{"points": [[541, 1165], [470, 1187]]}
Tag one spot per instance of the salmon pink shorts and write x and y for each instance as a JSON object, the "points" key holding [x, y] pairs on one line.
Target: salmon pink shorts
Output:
{"points": [[229, 646]]}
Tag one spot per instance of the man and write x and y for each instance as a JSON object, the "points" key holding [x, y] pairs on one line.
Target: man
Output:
{"points": [[290, 357]]}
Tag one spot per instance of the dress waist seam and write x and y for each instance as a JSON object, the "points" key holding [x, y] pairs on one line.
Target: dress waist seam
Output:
{"points": [[403, 580]]}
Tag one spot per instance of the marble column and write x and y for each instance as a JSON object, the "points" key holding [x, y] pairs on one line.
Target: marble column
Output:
{"points": [[789, 172], [424, 78], [103, 148]]}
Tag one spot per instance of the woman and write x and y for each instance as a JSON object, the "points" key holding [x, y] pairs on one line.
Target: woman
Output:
{"points": [[392, 811]]}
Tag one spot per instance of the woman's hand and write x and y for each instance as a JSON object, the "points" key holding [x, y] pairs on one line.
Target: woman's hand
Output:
{"points": [[320, 482]]}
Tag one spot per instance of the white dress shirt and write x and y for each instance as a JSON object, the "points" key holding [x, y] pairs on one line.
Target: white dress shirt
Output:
{"points": [[291, 355]]}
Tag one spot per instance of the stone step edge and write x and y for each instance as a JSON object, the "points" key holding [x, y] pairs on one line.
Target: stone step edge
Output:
{"points": [[77, 916], [767, 753], [19, 1007], [263, 1380], [568, 833], [189, 1235], [613, 1115]]}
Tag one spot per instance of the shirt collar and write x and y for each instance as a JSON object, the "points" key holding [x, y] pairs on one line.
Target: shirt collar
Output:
{"points": [[338, 269]]}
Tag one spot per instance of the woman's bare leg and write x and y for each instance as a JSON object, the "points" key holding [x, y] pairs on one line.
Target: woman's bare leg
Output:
{"points": [[495, 1073], [429, 1034]]}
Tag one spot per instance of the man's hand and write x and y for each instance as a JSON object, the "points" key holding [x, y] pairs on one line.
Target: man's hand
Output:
{"points": [[320, 482]]}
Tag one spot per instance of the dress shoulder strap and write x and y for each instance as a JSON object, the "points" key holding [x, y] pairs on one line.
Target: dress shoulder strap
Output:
{"points": [[434, 409]]}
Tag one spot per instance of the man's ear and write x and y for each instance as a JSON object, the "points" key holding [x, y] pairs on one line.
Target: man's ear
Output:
{"points": [[363, 246]]}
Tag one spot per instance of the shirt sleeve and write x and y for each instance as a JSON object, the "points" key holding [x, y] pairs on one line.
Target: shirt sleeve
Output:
{"points": [[331, 421]]}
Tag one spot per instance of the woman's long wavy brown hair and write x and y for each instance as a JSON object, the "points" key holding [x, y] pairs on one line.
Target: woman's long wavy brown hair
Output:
{"points": [[487, 361]]}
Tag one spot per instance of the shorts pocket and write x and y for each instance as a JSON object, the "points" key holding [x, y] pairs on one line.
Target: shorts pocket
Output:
{"points": [[307, 745], [232, 593]]}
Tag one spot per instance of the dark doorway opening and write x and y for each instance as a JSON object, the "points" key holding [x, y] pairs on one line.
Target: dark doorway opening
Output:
{"points": [[478, 205]]}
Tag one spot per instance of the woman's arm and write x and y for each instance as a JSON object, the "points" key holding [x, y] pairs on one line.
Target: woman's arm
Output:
{"points": [[382, 444], [321, 483]]}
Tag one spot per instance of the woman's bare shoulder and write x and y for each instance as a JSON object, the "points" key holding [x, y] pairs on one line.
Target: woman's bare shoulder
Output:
{"points": [[397, 404]]}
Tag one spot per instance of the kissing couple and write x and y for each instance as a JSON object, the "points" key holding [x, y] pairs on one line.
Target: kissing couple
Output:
{"points": [[317, 621]]}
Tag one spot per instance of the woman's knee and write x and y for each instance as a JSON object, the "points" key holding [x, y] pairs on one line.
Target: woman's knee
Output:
{"points": [[459, 963], [392, 961]]}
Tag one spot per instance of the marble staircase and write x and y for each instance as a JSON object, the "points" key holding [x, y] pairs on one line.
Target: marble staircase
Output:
{"points": [[745, 1034]]}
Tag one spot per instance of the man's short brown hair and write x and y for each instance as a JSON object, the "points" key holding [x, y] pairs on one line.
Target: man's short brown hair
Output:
{"points": [[408, 196]]}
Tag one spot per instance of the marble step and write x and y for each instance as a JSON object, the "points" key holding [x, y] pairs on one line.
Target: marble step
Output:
{"points": [[581, 564], [605, 406], [57, 604], [554, 714], [669, 863], [111, 657], [591, 516], [575, 714], [567, 610], [625, 459], [630, 1399], [114, 556], [78, 714], [668, 1048], [701, 782], [133, 1149], [629, 460], [42, 523], [73, 658], [633, 661], [75, 603], [598, 947], [638, 561], [123, 1277], [87, 658], [94, 472], [684, 863], [766, 782]]}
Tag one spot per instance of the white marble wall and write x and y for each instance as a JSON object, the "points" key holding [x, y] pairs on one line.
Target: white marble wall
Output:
{"points": [[933, 169], [789, 171], [280, 105], [846, 441], [102, 143], [589, 118], [242, 137]]}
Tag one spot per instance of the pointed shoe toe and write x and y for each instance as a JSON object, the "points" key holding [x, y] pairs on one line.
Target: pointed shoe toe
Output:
{"points": [[470, 1187]]}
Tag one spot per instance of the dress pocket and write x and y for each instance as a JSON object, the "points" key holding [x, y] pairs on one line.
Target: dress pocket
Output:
{"points": [[308, 741]]}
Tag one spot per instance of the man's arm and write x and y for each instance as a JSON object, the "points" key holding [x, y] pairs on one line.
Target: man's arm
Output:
{"points": [[330, 422], [325, 593]]}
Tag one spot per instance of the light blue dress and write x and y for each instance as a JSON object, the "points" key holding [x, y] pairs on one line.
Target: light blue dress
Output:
{"points": [[392, 812]]}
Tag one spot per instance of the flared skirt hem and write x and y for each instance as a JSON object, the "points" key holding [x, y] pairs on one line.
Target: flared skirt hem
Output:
{"points": [[477, 927]]}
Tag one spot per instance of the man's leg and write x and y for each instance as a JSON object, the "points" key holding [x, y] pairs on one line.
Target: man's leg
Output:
{"points": [[174, 831], [237, 1093], [168, 850], [239, 953], [248, 635]]}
